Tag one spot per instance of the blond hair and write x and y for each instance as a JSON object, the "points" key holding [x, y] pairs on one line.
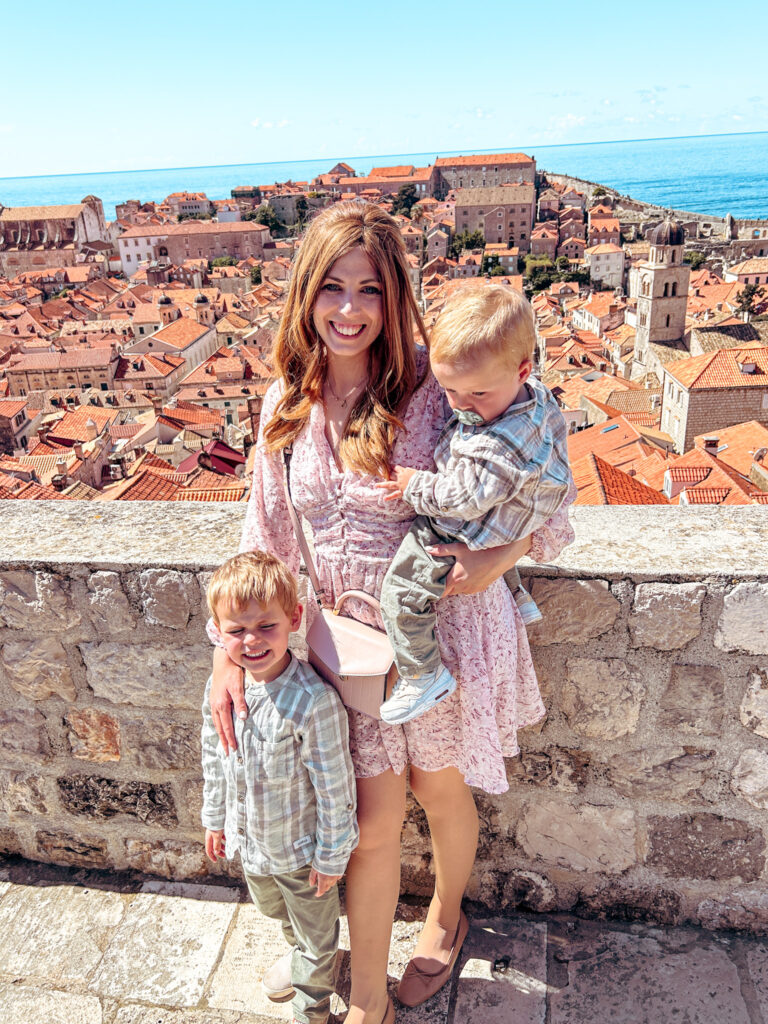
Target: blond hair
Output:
{"points": [[253, 575], [484, 321], [300, 357]]}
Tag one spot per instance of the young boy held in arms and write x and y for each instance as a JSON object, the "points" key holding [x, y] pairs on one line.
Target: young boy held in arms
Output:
{"points": [[501, 472], [285, 799]]}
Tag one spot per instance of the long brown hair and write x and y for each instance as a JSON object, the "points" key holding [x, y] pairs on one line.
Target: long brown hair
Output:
{"points": [[300, 356]]}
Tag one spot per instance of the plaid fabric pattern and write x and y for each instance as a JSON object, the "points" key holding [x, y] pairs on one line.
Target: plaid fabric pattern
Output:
{"points": [[286, 796], [499, 481]]}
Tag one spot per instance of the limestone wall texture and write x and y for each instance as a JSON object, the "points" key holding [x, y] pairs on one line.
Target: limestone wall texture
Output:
{"points": [[643, 795]]}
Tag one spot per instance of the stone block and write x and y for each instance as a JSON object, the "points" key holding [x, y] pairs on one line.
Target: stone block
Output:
{"points": [[643, 975], [176, 942], [56, 935], [23, 735], [624, 902], [749, 778], [584, 838], [38, 669], [667, 773], [93, 735], [22, 794], [528, 890], [110, 609], [743, 623], [147, 675], [10, 841], [79, 851], [169, 858], [36, 601], [189, 802], [601, 699], [694, 701], [554, 768], [167, 597], [159, 745], [32, 1005], [666, 616], [503, 977], [754, 707], [705, 846], [574, 611], [743, 909], [100, 798]]}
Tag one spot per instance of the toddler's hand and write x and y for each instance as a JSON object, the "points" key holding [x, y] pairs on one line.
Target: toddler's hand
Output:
{"points": [[396, 485], [214, 844], [323, 882]]}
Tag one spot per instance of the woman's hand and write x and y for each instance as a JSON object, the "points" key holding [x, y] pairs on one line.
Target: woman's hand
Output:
{"points": [[226, 690], [476, 570]]}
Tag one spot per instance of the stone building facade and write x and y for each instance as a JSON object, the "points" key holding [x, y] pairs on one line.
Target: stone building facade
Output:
{"points": [[73, 369], [503, 214], [33, 237], [712, 391], [484, 171]]}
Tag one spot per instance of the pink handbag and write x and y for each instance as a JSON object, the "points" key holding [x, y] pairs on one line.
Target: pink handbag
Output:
{"points": [[353, 657]]}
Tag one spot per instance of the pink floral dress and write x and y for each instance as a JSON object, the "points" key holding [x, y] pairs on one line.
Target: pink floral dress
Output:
{"points": [[356, 533]]}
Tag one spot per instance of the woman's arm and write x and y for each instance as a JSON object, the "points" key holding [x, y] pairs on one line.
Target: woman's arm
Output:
{"points": [[227, 695], [474, 571]]}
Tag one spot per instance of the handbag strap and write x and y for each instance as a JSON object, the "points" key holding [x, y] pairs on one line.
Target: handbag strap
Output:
{"points": [[320, 595]]}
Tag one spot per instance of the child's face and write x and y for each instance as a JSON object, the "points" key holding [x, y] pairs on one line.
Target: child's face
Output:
{"points": [[256, 636], [487, 387]]}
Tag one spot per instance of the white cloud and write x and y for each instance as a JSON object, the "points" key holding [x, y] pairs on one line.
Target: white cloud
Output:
{"points": [[737, 117]]}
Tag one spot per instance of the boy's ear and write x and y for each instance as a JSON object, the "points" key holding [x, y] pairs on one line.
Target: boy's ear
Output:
{"points": [[525, 371], [296, 617]]}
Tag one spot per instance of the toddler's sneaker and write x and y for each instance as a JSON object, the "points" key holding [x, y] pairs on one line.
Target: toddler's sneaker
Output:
{"points": [[529, 610], [276, 983], [413, 697]]}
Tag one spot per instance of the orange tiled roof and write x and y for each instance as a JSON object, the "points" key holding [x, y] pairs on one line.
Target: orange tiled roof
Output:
{"points": [[600, 483], [721, 369], [738, 444], [485, 160]]}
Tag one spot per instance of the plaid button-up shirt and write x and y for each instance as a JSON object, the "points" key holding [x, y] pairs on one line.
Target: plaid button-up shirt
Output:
{"points": [[286, 796], [498, 481]]}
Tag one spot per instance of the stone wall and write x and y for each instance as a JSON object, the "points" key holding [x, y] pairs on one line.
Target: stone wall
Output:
{"points": [[643, 795]]}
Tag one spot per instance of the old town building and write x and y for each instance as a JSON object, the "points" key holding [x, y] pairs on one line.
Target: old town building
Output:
{"points": [[48, 236]]}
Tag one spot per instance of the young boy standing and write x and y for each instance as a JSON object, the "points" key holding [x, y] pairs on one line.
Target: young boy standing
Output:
{"points": [[501, 472], [285, 799]]}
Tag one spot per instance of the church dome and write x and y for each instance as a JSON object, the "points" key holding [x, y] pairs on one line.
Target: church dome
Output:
{"points": [[200, 297], [669, 232], [163, 300]]}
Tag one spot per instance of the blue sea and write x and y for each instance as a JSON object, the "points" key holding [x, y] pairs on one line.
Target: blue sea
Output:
{"points": [[716, 174]]}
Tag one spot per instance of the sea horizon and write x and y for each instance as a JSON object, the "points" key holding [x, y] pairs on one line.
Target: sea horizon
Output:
{"points": [[715, 174]]}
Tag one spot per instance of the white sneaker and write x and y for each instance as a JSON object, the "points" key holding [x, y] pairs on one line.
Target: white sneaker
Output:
{"points": [[276, 983], [413, 697]]}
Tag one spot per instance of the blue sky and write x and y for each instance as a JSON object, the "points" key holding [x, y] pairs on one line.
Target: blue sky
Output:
{"points": [[91, 87]]}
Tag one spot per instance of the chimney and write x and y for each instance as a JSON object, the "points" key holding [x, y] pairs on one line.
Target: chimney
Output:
{"points": [[91, 430], [61, 467], [711, 445], [78, 449]]}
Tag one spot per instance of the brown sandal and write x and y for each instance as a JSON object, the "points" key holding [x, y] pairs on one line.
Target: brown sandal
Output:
{"points": [[419, 984]]}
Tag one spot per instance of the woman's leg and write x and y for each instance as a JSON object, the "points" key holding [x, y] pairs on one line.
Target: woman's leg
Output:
{"points": [[450, 808], [373, 886]]}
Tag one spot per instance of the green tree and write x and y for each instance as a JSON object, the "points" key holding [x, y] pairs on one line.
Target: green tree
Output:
{"points": [[749, 298], [489, 264], [598, 192], [255, 275], [562, 263], [406, 197], [224, 261], [498, 271], [695, 258], [466, 240], [266, 215]]}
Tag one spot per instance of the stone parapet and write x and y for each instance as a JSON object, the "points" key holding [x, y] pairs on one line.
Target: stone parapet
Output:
{"points": [[642, 795]]}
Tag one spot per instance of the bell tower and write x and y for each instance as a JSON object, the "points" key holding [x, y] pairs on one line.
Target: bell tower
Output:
{"points": [[662, 296]]}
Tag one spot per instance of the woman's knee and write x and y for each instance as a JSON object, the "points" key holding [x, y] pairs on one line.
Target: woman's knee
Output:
{"points": [[380, 812], [444, 791]]}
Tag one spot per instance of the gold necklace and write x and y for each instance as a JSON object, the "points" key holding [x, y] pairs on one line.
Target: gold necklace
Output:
{"points": [[342, 401]]}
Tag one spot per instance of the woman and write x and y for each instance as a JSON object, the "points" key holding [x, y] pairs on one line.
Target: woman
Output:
{"points": [[354, 396]]}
